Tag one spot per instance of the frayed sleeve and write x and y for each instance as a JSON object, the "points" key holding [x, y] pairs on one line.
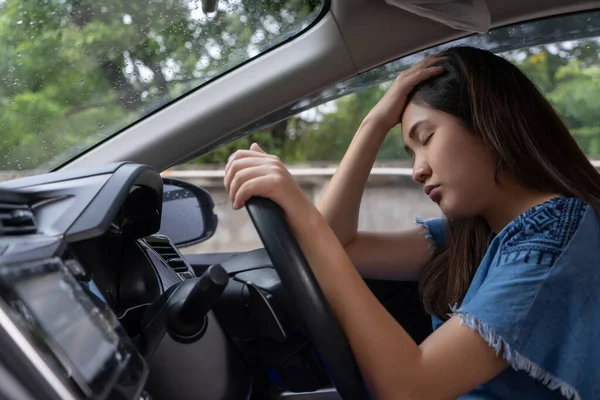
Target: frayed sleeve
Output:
{"points": [[434, 231], [534, 299], [538, 312]]}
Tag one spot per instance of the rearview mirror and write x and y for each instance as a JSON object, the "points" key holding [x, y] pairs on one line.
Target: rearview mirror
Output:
{"points": [[188, 215]]}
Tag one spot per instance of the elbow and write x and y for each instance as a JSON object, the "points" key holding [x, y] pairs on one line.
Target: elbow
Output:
{"points": [[344, 233], [348, 241]]}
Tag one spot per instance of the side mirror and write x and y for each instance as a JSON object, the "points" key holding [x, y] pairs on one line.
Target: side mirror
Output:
{"points": [[188, 215]]}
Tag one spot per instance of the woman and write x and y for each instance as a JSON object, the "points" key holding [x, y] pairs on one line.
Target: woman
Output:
{"points": [[513, 281]]}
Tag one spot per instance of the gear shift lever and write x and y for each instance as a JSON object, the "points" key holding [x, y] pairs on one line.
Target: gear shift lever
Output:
{"points": [[181, 310]]}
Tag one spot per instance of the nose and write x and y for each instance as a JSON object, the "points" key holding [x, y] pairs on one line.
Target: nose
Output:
{"points": [[421, 171]]}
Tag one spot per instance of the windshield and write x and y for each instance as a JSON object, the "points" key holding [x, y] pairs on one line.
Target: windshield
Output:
{"points": [[75, 72]]}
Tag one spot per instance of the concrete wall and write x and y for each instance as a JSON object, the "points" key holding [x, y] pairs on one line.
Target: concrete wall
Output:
{"points": [[390, 202]]}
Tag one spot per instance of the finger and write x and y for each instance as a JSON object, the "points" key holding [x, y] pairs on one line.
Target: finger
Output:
{"points": [[425, 63], [417, 71], [429, 61], [246, 153], [261, 185], [245, 175], [424, 74], [238, 165], [239, 154], [256, 147]]}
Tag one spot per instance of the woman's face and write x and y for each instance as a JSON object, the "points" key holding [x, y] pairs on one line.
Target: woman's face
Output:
{"points": [[450, 161]]}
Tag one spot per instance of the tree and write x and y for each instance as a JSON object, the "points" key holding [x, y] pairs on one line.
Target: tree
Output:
{"points": [[567, 73], [576, 99], [76, 71]]}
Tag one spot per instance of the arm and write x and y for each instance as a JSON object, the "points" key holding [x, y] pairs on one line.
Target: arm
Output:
{"points": [[520, 315], [455, 357], [390, 256], [399, 255], [393, 365], [341, 200], [393, 256]]}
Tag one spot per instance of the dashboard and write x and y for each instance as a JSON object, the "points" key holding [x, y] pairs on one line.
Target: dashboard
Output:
{"points": [[95, 303], [84, 283]]}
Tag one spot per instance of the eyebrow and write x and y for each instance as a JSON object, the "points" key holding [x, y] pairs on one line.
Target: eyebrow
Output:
{"points": [[411, 134]]}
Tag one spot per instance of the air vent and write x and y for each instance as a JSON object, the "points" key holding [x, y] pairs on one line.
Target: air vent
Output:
{"points": [[16, 219], [162, 245]]}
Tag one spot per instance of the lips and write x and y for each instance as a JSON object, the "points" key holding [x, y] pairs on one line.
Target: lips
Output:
{"points": [[427, 189]]}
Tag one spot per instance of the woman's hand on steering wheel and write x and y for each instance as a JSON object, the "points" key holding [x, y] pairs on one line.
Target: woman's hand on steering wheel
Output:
{"points": [[253, 172], [283, 216]]}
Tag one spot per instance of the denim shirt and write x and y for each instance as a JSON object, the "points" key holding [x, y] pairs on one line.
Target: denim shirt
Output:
{"points": [[535, 298]]}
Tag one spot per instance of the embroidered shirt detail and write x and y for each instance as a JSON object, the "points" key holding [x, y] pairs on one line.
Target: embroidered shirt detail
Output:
{"points": [[545, 229], [534, 300], [515, 359]]}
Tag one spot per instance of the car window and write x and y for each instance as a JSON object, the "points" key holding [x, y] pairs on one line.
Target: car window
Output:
{"points": [[74, 72], [561, 55]]}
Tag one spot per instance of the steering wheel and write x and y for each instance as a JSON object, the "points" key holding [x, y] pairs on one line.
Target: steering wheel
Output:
{"points": [[304, 291]]}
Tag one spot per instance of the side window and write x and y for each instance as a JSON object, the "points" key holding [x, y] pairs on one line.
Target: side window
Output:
{"points": [[568, 74], [311, 143]]}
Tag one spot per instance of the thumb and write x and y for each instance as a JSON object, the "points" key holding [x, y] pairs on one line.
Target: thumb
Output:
{"points": [[256, 147]]}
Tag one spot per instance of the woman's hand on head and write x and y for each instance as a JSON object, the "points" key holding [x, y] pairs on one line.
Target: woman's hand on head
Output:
{"points": [[253, 172], [388, 111]]}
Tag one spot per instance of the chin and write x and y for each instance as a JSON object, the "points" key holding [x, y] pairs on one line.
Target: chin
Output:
{"points": [[453, 210]]}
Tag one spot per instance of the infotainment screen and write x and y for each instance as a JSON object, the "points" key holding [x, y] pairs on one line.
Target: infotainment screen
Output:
{"points": [[72, 327], [67, 323]]}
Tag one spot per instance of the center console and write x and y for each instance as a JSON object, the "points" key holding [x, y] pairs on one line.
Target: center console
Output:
{"points": [[68, 335]]}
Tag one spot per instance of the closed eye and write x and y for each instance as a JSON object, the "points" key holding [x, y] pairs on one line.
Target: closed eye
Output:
{"points": [[428, 139]]}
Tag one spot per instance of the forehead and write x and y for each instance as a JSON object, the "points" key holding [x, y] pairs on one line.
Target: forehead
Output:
{"points": [[414, 113]]}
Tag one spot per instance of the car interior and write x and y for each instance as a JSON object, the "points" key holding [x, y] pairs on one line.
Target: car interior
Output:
{"points": [[97, 300]]}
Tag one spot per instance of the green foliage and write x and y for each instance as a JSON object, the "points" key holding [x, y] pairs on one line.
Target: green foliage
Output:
{"points": [[76, 71], [568, 75]]}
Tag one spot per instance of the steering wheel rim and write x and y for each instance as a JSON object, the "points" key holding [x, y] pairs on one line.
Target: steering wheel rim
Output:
{"points": [[301, 285]]}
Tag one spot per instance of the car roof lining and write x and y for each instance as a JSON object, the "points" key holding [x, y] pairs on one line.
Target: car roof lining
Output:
{"points": [[364, 22]]}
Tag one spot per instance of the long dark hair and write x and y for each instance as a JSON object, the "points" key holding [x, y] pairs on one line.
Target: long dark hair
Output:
{"points": [[498, 103]]}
